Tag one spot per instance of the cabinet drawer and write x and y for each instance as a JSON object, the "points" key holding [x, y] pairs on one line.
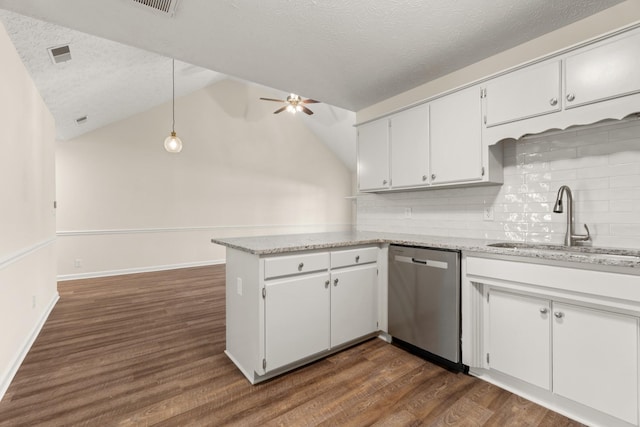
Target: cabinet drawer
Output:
{"points": [[353, 257], [295, 264]]}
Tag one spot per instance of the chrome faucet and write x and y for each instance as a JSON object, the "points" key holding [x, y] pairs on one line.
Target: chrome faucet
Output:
{"points": [[570, 238]]}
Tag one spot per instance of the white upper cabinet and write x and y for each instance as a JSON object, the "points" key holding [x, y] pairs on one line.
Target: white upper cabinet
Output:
{"points": [[526, 93], [373, 155], [607, 70], [410, 147], [456, 137]]}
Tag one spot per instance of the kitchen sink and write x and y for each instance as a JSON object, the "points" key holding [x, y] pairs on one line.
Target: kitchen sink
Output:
{"points": [[621, 254]]}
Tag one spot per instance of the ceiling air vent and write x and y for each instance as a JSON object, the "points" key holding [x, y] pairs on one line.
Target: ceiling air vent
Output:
{"points": [[60, 54], [165, 6], [81, 120]]}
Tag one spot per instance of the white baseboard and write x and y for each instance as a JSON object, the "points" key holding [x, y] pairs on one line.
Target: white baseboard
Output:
{"points": [[6, 381], [94, 274]]}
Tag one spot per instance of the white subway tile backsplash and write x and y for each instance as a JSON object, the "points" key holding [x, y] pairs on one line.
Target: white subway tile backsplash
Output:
{"points": [[600, 163]]}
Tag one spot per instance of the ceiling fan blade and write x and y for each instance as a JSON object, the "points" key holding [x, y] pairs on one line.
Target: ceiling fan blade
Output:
{"points": [[280, 110], [310, 101], [306, 110], [272, 99]]}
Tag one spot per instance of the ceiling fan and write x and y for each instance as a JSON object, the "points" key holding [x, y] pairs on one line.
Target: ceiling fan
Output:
{"points": [[294, 104]]}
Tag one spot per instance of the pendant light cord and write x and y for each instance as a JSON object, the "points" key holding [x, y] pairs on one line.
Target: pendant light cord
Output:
{"points": [[173, 94]]}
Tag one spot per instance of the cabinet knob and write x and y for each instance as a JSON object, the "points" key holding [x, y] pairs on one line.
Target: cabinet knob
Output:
{"points": [[384, 182], [425, 177], [300, 266], [543, 310], [335, 282], [433, 176], [357, 258], [553, 101], [558, 314], [571, 97], [326, 284]]}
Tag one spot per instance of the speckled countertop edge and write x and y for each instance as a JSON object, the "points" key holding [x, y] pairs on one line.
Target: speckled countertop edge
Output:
{"points": [[278, 244]]}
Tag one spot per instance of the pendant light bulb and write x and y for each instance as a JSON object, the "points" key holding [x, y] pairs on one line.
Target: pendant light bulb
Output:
{"points": [[172, 143]]}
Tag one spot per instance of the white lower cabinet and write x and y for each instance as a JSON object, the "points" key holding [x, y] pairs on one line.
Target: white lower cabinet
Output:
{"points": [[296, 319], [595, 359], [285, 310], [519, 337], [592, 353], [354, 303]]}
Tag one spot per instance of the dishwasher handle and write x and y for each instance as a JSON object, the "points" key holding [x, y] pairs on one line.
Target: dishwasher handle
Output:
{"points": [[422, 262]]}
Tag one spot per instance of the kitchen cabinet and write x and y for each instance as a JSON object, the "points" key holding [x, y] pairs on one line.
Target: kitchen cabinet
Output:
{"points": [[296, 318], [604, 71], [285, 310], [523, 94], [595, 359], [354, 304], [456, 137], [410, 147], [373, 156], [564, 336], [581, 86], [520, 343]]}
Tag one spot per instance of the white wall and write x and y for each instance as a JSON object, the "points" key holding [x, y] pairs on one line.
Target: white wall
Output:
{"points": [[27, 218], [618, 16], [124, 204], [601, 164]]}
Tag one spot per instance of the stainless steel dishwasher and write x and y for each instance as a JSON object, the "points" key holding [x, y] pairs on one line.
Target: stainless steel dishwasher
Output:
{"points": [[424, 302]]}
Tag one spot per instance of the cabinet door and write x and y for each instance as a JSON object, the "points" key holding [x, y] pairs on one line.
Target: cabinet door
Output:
{"points": [[526, 93], [595, 359], [296, 318], [519, 337], [373, 155], [410, 147], [456, 141], [354, 303], [607, 71]]}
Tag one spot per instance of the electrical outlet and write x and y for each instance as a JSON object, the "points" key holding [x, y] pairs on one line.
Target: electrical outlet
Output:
{"points": [[407, 212], [487, 213], [239, 286], [77, 263]]}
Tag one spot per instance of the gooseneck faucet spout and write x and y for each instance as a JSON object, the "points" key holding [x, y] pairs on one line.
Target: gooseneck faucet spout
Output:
{"points": [[570, 237]]}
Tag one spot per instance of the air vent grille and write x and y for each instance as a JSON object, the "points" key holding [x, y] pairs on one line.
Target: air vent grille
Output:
{"points": [[81, 120], [164, 6], [60, 54]]}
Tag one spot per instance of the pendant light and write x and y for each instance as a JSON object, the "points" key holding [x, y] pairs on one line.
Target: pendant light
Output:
{"points": [[173, 144]]}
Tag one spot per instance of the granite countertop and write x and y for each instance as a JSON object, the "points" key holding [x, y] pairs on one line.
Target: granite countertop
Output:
{"points": [[277, 244]]}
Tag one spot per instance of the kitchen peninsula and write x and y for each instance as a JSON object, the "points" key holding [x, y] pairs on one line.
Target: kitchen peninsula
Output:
{"points": [[292, 299]]}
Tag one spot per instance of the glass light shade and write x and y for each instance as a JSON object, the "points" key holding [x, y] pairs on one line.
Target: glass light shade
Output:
{"points": [[291, 109], [173, 144]]}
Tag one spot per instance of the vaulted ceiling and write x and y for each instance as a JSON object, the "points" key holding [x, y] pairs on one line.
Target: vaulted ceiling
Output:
{"points": [[345, 53]]}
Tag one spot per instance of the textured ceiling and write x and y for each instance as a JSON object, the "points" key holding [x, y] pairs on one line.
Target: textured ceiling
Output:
{"points": [[105, 80], [348, 53]]}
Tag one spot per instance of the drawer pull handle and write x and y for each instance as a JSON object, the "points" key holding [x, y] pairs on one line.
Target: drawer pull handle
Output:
{"points": [[300, 266], [335, 282], [571, 97], [326, 284], [357, 258], [544, 310], [558, 314], [553, 101]]}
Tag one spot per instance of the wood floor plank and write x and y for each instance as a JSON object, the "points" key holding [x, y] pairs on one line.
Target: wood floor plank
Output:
{"points": [[148, 349]]}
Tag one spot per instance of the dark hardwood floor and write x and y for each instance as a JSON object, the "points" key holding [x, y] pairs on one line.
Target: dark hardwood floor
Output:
{"points": [[147, 349]]}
